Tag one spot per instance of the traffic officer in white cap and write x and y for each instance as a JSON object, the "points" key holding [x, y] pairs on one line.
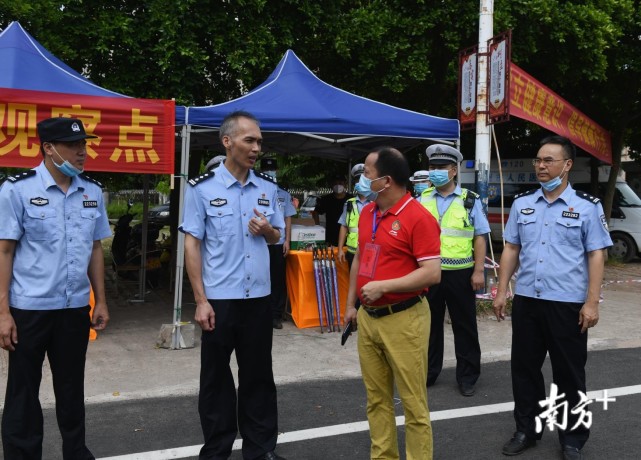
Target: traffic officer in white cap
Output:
{"points": [[348, 233], [215, 162], [420, 181], [463, 229]]}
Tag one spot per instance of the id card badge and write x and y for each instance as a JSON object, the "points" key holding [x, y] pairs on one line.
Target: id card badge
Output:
{"points": [[368, 260]]}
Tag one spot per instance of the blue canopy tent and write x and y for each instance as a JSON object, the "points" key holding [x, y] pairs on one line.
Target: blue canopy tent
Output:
{"points": [[301, 114], [26, 64]]}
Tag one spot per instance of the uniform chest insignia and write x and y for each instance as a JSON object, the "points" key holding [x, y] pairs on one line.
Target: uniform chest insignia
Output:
{"points": [[527, 211], [39, 201], [90, 204], [263, 202], [218, 202], [571, 215], [396, 225], [281, 200]]}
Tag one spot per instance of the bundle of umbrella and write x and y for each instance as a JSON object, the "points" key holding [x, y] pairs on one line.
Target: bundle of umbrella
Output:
{"points": [[325, 275]]}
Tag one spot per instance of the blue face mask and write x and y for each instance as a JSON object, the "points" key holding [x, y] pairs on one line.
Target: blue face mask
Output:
{"points": [[358, 188], [439, 177], [420, 188], [365, 185], [553, 184], [65, 168]]}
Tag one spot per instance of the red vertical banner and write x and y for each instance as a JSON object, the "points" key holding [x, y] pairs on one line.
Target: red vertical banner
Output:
{"points": [[498, 70], [133, 135], [533, 101], [467, 75]]}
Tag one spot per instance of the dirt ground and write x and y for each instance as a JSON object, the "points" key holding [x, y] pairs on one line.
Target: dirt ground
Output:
{"points": [[623, 277]]}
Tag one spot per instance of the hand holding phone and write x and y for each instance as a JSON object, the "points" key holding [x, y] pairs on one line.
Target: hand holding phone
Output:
{"points": [[346, 333]]}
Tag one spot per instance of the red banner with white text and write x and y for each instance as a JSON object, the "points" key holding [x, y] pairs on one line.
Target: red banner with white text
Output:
{"points": [[134, 135], [533, 101]]}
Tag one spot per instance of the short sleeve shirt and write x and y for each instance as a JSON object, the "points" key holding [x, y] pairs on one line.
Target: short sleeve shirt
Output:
{"points": [[55, 233], [217, 210], [555, 239], [406, 234]]}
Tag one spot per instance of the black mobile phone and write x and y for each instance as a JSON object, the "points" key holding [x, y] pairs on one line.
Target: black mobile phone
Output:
{"points": [[346, 333]]}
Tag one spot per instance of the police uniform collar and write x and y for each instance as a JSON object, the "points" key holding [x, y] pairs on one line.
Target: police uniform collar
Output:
{"points": [[457, 191], [49, 181]]}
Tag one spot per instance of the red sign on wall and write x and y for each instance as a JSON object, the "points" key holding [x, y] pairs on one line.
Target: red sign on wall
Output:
{"points": [[134, 135]]}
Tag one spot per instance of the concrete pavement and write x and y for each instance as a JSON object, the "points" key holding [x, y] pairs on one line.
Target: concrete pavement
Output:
{"points": [[125, 364]]}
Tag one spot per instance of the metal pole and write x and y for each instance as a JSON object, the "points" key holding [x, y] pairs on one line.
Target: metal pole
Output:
{"points": [[176, 336], [486, 30]]}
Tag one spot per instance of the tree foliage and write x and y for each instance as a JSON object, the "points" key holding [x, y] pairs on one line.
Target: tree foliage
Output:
{"points": [[400, 52]]}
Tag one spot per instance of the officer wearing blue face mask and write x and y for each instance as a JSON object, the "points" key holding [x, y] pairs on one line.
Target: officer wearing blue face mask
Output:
{"points": [[463, 231], [420, 182], [557, 238], [53, 219]]}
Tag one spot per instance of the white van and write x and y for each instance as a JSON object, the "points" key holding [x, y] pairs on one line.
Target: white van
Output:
{"points": [[519, 176]]}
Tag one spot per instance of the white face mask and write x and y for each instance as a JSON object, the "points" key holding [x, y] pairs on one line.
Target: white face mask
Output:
{"points": [[338, 189]]}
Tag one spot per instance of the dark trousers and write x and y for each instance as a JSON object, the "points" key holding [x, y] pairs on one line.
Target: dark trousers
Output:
{"points": [[540, 327], [63, 335], [456, 294], [245, 326], [277, 274]]}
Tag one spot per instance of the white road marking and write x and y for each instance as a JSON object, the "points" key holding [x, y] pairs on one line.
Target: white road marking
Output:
{"points": [[336, 430]]}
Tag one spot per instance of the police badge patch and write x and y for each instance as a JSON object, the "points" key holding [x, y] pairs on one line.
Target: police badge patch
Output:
{"points": [[527, 211], [218, 202], [263, 202], [39, 201], [90, 204]]}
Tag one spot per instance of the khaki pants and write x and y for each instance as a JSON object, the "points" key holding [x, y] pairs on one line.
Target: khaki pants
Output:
{"points": [[393, 349]]}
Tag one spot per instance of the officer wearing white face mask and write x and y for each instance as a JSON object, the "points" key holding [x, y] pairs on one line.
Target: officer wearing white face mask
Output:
{"points": [[53, 219], [463, 229]]}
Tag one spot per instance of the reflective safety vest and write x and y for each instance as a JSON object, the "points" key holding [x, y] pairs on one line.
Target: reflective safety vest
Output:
{"points": [[457, 232], [351, 222]]}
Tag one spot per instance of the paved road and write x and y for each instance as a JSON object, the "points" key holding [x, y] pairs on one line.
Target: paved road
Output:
{"points": [[334, 412]]}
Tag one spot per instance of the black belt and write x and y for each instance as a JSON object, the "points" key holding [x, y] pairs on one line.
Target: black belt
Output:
{"points": [[384, 310]]}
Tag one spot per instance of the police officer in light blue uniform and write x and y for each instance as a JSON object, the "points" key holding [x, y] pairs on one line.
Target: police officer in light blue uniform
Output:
{"points": [[231, 215], [53, 218], [557, 237], [278, 252]]}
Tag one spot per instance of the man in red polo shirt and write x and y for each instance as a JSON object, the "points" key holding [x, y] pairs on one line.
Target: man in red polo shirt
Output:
{"points": [[398, 257]]}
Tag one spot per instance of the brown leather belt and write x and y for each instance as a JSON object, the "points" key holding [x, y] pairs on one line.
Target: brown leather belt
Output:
{"points": [[384, 310]]}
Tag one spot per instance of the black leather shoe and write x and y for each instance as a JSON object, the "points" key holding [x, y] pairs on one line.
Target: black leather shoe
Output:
{"points": [[518, 444], [466, 389], [571, 453], [272, 456], [277, 323]]}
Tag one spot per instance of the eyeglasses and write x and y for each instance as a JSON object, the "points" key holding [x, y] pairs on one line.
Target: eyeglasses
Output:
{"points": [[545, 161]]}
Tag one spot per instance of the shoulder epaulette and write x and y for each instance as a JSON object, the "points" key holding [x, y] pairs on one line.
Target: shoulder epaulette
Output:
{"points": [[267, 177], [202, 178], [283, 189], [587, 196], [526, 193], [91, 179], [23, 175]]}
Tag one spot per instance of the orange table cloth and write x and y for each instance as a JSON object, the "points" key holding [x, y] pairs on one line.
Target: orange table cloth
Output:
{"points": [[301, 288]]}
